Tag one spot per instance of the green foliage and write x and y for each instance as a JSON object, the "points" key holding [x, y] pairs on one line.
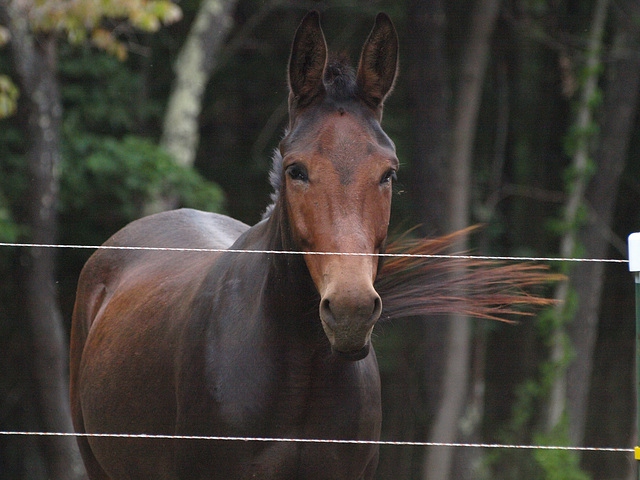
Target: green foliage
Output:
{"points": [[103, 95], [537, 463], [558, 464], [585, 72], [526, 418], [106, 182], [111, 166], [577, 136], [9, 231], [13, 175], [549, 321], [85, 19]]}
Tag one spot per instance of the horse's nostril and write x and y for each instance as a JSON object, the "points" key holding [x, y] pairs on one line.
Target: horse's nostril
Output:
{"points": [[326, 313], [377, 308]]}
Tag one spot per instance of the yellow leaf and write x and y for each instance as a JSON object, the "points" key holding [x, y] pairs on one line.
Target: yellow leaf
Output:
{"points": [[9, 94]]}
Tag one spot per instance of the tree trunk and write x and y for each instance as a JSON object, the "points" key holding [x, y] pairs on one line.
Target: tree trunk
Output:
{"points": [[194, 65], [35, 64], [429, 101], [467, 103], [576, 189], [429, 104], [438, 462], [618, 114]]}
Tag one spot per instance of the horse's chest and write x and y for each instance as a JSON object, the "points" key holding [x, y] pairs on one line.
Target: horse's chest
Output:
{"points": [[276, 385], [337, 404], [342, 400], [279, 390]]}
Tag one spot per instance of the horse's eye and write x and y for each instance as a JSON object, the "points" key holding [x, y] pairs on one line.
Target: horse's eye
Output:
{"points": [[298, 172], [389, 176]]}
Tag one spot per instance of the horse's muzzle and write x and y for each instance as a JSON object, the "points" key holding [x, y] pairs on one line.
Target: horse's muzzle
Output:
{"points": [[349, 321]]}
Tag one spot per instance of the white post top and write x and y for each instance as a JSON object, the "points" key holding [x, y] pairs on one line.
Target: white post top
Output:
{"points": [[634, 252]]}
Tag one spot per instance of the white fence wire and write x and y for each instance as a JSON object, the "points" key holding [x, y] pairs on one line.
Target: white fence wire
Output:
{"points": [[318, 440], [292, 252]]}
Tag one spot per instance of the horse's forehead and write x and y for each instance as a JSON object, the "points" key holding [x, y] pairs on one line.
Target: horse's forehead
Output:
{"points": [[341, 133], [331, 122], [344, 144]]}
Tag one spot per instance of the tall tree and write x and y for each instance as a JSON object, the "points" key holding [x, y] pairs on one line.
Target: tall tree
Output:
{"points": [[580, 175], [35, 64], [193, 68], [427, 77], [473, 65]]}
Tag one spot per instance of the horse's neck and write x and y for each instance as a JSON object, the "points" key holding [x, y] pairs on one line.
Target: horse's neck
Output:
{"points": [[285, 305], [287, 294]]}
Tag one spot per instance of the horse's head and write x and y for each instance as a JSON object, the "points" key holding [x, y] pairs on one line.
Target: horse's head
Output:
{"points": [[337, 169]]}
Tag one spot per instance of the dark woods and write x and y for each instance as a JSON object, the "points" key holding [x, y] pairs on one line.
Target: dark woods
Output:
{"points": [[498, 85]]}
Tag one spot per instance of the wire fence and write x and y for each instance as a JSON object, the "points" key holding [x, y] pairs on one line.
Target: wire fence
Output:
{"points": [[294, 252], [317, 440]]}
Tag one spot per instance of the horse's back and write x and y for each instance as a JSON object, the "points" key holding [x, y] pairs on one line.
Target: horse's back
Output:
{"points": [[184, 228], [132, 300], [142, 241]]}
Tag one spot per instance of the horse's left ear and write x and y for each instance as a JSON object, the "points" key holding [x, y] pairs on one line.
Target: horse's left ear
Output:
{"points": [[378, 62]]}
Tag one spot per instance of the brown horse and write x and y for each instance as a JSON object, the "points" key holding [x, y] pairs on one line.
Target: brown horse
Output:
{"points": [[256, 344], [251, 344]]}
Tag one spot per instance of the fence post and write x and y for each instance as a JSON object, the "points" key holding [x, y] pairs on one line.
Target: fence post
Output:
{"points": [[634, 267]]}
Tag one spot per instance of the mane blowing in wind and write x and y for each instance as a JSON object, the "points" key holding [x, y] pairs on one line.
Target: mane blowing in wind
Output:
{"points": [[415, 285]]}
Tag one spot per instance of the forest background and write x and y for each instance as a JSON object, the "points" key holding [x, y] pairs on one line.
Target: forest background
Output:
{"points": [[519, 115]]}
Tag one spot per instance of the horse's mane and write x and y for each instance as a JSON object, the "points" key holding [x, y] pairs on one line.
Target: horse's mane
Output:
{"points": [[275, 179], [340, 78]]}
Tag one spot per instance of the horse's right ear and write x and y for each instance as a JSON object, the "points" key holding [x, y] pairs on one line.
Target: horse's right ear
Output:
{"points": [[307, 62]]}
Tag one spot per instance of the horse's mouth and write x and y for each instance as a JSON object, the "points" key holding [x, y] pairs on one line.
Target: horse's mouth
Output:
{"points": [[353, 355]]}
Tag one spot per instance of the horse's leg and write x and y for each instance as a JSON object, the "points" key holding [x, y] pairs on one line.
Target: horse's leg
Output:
{"points": [[94, 470], [79, 330]]}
